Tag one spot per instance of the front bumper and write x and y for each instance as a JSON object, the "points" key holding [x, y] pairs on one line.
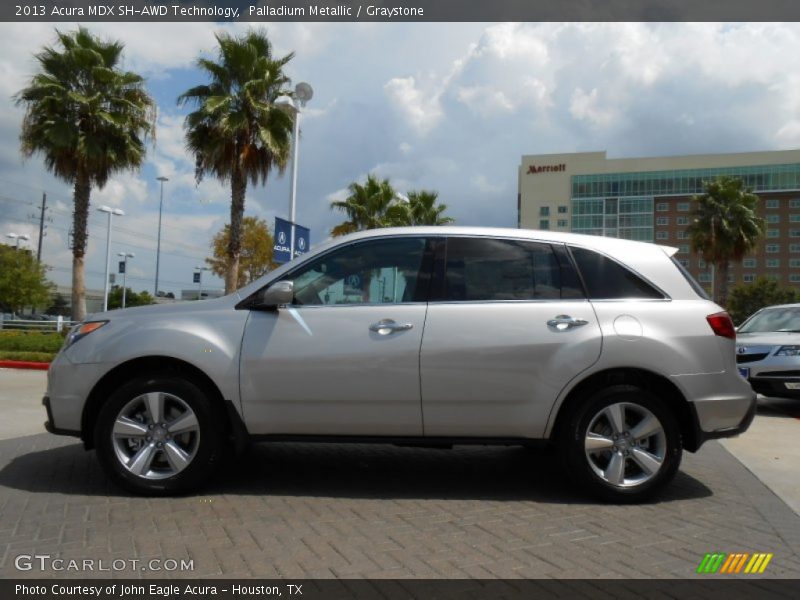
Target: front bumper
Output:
{"points": [[50, 425], [775, 386]]}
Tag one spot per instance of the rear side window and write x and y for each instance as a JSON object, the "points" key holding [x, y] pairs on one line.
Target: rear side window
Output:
{"points": [[485, 269], [606, 279]]}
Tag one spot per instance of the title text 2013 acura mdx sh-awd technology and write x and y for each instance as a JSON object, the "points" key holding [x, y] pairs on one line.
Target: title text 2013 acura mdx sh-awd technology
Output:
{"points": [[439, 335]]}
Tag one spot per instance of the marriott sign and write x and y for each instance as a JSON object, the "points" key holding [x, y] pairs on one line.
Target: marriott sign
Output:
{"points": [[533, 169]]}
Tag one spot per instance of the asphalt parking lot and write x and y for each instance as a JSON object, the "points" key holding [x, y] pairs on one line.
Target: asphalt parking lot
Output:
{"points": [[322, 511]]}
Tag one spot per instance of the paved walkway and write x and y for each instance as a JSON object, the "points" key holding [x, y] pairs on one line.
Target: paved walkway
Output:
{"points": [[301, 510], [296, 510]]}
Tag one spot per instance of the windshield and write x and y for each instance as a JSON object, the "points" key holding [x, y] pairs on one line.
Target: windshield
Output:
{"points": [[773, 319]]}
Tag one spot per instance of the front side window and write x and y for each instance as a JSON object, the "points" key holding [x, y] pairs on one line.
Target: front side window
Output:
{"points": [[382, 271], [606, 279], [484, 269]]}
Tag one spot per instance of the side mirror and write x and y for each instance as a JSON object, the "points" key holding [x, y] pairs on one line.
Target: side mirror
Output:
{"points": [[279, 293]]}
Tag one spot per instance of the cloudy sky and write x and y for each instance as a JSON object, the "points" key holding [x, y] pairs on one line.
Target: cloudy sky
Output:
{"points": [[450, 107]]}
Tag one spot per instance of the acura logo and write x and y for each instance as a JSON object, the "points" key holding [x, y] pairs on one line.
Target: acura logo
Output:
{"points": [[741, 349]]}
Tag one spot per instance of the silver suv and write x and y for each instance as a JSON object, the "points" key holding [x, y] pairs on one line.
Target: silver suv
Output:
{"points": [[603, 347]]}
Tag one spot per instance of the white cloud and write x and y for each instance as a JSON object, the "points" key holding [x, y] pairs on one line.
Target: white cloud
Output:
{"points": [[420, 107], [586, 107]]}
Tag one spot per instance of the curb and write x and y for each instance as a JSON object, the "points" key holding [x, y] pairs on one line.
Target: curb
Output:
{"points": [[24, 364]]}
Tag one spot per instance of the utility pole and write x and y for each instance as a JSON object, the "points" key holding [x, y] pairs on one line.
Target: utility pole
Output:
{"points": [[41, 228]]}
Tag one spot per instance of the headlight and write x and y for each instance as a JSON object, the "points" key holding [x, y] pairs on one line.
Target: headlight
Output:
{"points": [[788, 351], [82, 330]]}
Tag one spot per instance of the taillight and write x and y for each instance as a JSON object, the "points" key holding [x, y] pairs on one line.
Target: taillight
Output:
{"points": [[722, 324]]}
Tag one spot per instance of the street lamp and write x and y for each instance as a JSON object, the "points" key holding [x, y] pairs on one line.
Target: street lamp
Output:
{"points": [[125, 256], [200, 280], [18, 237], [111, 212], [303, 92], [162, 179]]}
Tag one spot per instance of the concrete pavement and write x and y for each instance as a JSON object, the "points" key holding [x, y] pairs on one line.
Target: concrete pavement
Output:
{"points": [[21, 393], [322, 511]]}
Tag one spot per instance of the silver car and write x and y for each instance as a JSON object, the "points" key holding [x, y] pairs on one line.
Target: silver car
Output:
{"points": [[603, 347], [768, 350]]}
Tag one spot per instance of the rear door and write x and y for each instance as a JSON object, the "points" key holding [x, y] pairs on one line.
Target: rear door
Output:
{"points": [[508, 326]]}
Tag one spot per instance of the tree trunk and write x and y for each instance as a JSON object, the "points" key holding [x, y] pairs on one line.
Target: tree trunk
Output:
{"points": [[238, 190], [721, 282], [80, 218]]}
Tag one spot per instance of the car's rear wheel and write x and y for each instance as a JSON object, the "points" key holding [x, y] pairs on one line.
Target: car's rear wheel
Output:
{"points": [[159, 435], [622, 444]]}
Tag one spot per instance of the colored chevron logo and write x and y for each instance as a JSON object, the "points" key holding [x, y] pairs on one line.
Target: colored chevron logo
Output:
{"points": [[737, 562]]}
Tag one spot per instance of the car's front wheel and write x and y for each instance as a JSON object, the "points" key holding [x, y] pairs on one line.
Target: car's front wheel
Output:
{"points": [[159, 435], [622, 444]]}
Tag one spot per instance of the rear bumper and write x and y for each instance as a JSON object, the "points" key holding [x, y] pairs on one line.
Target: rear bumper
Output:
{"points": [[702, 436]]}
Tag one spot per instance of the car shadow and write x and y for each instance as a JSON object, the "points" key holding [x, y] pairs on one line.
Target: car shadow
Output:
{"points": [[348, 471], [778, 407]]}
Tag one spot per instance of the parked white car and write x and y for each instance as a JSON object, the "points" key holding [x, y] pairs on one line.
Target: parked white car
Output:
{"points": [[768, 350], [605, 347]]}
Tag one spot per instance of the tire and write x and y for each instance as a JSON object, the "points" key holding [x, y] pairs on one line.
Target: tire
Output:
{"points": [[174, 454], [626, 468]]}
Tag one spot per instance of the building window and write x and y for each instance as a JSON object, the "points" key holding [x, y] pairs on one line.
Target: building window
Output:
{"points": [[795, 218], [562, 223], [773, 233], [701, 263], [662, 235], [773, 218], [794, 278], [773, 203], [773, 276], [683, 235], [544, 211], [773, 248], [682, 221], [794, 263], [794, 203], [794, 248], [683, 207], [773, 263], [683, 249], [662, 207], [748, 278], [705, 278], [562, 210], [684, 262], [544, 223], [749, 263], [795, 233], [662, 220]]}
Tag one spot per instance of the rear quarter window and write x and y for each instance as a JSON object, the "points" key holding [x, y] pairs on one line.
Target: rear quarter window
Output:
{"points": [[606, 279]]}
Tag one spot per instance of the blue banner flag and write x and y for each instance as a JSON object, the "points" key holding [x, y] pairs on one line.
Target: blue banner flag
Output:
{"points": [[283, 236]]}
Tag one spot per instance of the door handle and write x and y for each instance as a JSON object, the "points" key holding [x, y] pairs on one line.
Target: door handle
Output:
{"points": [[387, 326], [564, 322]]}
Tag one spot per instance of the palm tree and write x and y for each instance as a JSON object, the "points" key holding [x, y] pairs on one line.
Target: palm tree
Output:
{"points": [[725, 227], [366, 207], [89, 119], [423, 209], [238, 133]]}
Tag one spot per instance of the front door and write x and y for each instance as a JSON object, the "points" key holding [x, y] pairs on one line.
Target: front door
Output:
{"points": [[506, 330], [344, 358]]}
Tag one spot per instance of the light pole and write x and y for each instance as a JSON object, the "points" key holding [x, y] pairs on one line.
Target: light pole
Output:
{"points": [[111, 212], [303, 92], [200, 280], [18, 237], [125, 256], [162, 179]]}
